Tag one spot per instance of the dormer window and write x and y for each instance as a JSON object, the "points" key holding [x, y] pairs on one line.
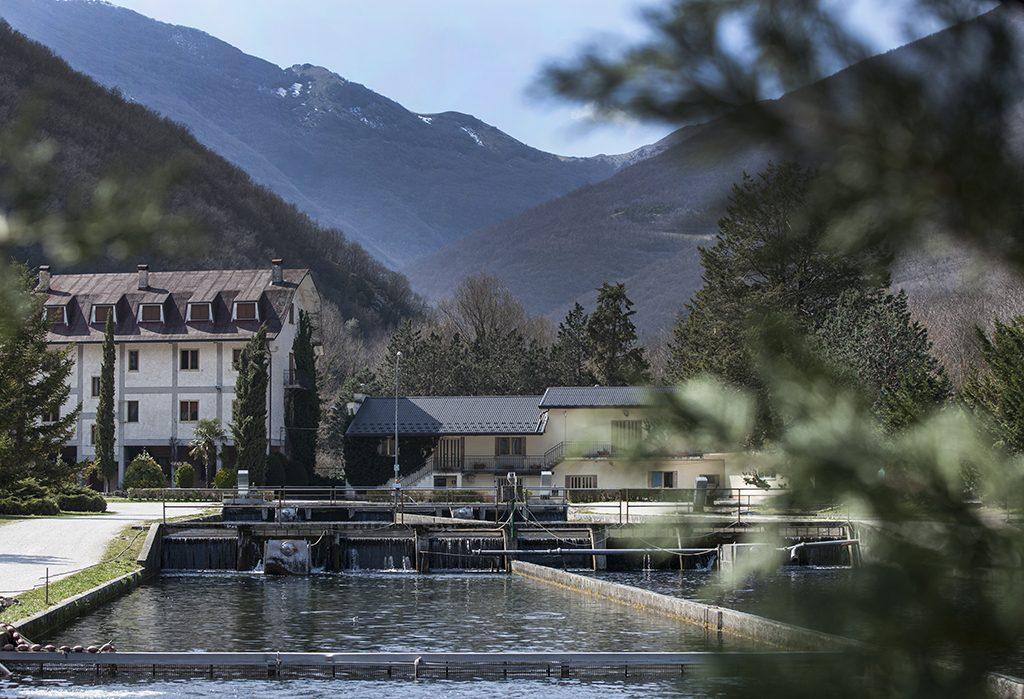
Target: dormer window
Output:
{"points": [[100, 314], [151, 313], [56, 315], [246, 310], [200, 312]]}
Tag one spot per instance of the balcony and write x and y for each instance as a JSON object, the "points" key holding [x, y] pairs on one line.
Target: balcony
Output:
{"points": [[518, 463], [535, 463]]}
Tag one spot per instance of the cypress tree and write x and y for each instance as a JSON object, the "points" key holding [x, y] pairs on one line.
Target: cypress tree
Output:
{"points": [[105, 460], [617, 359], [249, 423], [303, 415]]}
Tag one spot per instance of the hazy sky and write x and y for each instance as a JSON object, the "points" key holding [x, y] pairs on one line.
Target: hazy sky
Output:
{"points": [[473, 56]]}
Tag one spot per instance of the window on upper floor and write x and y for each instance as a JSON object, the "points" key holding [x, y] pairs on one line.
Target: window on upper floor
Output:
{"points": [[133, 360], [188, 360], [188, 411], [151, 313], [509, 446], [291, 313], [199, 312], [57, 315], [100, 313], [95, 387], [132, 411], [92, 433], [52, 415], [236, 358], [386, 446], [246, 310]]}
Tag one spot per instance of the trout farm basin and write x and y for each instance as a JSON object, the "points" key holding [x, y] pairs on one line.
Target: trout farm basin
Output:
{"points": [[380, 611]]}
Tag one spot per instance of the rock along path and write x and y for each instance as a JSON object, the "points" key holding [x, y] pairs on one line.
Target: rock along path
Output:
{"points": [[66, 544]]}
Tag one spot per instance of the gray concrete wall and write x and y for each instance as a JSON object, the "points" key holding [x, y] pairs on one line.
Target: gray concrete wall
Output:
{"points": [[41, 623], [713, 618]]}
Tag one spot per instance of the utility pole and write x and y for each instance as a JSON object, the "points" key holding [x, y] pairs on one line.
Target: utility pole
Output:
{"points": [[398, 357]]}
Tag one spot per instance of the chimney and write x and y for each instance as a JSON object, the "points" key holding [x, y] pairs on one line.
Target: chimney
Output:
{"points": [[143, 276], [276, 273], [44, 278]]}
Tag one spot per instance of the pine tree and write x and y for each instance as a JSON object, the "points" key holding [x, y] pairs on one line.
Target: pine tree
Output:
{"points": [[872, 338], [760, 265], [996, 391], [34, 385], [105, 461], [303, 410], [570, 356], [249, 424], [617, 359]]}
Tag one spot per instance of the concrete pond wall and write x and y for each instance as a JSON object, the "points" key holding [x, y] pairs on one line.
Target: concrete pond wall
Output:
{"points": [[711, 617]]}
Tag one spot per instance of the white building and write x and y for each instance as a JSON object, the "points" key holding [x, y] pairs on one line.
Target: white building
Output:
{"points": [[584, 437], [177, 335]]}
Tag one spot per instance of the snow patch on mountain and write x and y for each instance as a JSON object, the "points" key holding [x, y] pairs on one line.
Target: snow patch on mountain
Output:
{"points": [[472, 134], [425, 120]]}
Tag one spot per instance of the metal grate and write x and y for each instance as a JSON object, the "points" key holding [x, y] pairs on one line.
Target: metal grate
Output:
{"points": [[373, 665]]}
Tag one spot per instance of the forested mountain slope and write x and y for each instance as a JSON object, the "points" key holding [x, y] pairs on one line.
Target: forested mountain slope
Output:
{"points": [[402, 184], [99, 135]]}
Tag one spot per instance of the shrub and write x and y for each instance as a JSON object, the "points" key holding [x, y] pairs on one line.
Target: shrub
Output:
{"points": [[27, 489], [144, 472], [184, 475], [173, 494], [225, 478], [28, 506], [76, 498]]}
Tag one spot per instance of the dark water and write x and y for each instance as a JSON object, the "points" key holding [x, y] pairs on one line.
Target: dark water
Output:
{"points": [[382, 612], [379, 612], [797, 595]]}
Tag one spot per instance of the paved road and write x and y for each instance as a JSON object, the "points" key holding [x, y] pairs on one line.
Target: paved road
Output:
{"points": [[65, 544]]}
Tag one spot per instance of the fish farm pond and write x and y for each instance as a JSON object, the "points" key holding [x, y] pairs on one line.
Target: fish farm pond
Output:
{"points": [[390, 612]]}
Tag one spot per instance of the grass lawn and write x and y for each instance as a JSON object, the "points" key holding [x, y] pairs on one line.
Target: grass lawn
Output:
{"points": [[118, 559]]}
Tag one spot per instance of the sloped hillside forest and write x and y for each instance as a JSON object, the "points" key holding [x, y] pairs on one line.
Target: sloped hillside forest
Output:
{"points": [[226, 221]]}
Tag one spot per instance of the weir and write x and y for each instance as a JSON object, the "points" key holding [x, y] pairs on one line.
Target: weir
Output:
{"points": [[437, 544]]}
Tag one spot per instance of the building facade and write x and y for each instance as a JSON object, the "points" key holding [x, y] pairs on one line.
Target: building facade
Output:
{"points": [[177, 338], [570, 437]]}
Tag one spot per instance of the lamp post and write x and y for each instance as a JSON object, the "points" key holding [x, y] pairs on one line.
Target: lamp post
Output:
{"points": [[398, 357]]}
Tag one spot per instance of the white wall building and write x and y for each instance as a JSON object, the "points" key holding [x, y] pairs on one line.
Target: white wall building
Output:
{"points": [[584, 437], [177, 335]]}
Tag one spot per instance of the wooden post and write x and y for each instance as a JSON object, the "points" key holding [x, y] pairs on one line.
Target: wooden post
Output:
{"points": [[599, 540]]}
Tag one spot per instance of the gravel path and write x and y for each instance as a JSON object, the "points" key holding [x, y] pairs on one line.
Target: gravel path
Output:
{"points": [[65, 544]]}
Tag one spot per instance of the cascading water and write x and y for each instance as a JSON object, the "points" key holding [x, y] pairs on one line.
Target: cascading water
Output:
{"points": [[456, 553], [199, 553], [377, 554]]}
